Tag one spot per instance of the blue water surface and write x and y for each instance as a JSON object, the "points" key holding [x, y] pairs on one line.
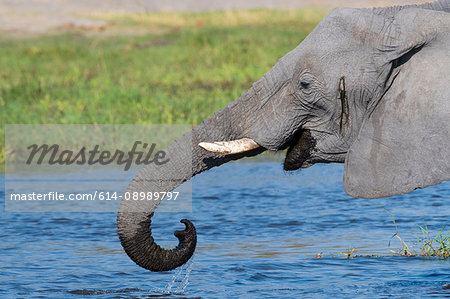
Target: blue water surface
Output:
{"points": [[259, 229]]}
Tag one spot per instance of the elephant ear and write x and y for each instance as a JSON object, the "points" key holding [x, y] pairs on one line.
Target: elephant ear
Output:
{"points": [[404, 140]]}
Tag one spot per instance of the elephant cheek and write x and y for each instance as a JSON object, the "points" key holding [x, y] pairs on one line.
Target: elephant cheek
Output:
{"points": [[299, 151]]}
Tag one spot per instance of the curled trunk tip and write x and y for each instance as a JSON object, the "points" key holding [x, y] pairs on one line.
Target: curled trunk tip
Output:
{"points": [[136, 238]]}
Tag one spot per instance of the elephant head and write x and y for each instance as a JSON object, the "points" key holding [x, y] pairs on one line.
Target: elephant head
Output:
{"points": [[367, 87]]}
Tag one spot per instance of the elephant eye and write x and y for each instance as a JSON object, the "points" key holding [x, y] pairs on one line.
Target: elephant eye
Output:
{"points": [[304, 84], [305, 87]]}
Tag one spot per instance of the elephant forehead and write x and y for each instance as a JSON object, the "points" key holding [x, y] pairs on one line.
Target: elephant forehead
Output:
{"points": [[347, 29], [324, 53], [353, 24], [328, 66]]}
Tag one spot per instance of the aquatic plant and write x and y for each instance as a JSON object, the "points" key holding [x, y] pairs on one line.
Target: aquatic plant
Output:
{"points": [[429, 245]]}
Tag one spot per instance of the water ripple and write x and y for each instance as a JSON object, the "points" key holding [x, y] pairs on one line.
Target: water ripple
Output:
{"points": [[258, 232]]}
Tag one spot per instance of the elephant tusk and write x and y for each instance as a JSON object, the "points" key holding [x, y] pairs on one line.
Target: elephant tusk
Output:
{"points": [[230, 147]]}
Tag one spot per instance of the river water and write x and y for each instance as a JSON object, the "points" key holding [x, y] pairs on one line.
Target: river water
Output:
{"points": [[259, 229]]}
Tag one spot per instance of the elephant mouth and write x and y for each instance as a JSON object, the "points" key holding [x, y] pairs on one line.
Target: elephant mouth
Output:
{"points": [[299, 151]]}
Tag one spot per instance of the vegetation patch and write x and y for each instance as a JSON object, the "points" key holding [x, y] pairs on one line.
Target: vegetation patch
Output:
{"points": [[427, 244], [177, 69]]}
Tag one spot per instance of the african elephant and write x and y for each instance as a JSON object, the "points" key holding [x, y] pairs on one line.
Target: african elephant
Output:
{"points": [[367, 87]]}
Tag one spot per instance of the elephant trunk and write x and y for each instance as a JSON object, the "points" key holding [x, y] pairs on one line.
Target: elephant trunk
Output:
{"points": [[134, 216], [186, 159]]}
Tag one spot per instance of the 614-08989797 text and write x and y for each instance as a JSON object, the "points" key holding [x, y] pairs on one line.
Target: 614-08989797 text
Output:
{"points": [[102, 195]]}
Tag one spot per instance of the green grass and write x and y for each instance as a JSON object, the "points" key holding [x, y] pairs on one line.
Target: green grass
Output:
{"points": [[426, 244], [166, 68]]}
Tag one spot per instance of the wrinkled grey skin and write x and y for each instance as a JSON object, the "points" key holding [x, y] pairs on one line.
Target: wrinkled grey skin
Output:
{"points": [[368, 88]]}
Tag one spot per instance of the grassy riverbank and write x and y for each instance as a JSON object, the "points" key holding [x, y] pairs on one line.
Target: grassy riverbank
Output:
{"points": [[166, 68]]}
